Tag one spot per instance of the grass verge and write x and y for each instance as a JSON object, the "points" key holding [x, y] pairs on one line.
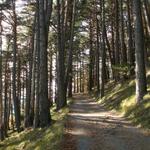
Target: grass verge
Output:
{"points": [[121, 97], [39, 139]]}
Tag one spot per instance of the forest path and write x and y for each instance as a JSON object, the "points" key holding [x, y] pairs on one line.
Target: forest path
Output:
{"points": [[90, 127]]}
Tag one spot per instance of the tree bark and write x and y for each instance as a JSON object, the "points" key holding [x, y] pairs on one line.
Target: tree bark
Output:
{"points": [[130, 40], [141, 85], [69, 62], [1, 97], [123, 46], [61, 99], [44, 106], [16, 104]]}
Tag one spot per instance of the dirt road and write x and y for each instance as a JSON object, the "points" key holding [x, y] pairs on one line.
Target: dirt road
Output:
{"points": [[91, 127]]}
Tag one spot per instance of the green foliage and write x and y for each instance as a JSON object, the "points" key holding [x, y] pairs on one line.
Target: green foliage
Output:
{"points": [[122, 99], [123, 69]]}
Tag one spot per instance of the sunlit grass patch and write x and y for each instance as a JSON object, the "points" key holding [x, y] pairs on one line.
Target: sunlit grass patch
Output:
{"points": [[39, 139], [121, 97]]}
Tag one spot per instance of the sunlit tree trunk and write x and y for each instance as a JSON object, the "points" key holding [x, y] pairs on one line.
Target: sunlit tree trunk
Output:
{"points": [[36, 102], [147, 9], [90, 85], [141, 85]]}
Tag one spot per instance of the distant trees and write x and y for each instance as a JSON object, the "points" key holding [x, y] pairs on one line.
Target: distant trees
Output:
{"points": [[33, 58], [117, 39]]}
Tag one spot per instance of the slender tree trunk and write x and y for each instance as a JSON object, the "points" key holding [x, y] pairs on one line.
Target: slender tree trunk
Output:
{"points": [[97, 56], [31, 117], [130, 40], [74, 82], [123, 46], [29, 80], [9, 101], [1, 97], [109, 53], [6, 98], [19, 84], [146, 35], [16, 104], [117, 57], [112, 42], [77, 80], [36, 121], [51, 79], [80, 73], [103, 55], [91, 58], [68, 77], [23, 89]]}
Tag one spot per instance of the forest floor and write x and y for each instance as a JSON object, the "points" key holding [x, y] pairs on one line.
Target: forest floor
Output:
{"points": [[48, 138], [92, 127]]}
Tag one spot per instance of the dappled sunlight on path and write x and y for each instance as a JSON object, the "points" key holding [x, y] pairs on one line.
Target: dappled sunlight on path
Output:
{"points": [[91, 127]]}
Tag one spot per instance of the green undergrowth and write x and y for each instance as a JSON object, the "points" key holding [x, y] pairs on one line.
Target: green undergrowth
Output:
{"points": [[121, 97], [39, 139]]}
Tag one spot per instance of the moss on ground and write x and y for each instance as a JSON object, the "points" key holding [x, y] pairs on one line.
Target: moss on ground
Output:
{"points": [[121, 97], [39, 139]]}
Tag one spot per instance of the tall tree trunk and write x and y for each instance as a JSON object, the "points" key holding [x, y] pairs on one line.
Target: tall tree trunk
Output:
{"points": [[109, 53], [97, 56], [29, 79], [146, 35], [1, 97], [31, 115], [68, 77], [16, 103], [6, 98], [44, 106], [36, 102], [19, 83], [112, 42], [50, 97], [77, 80], [37, 42], [61, 100], [123, 46], [103, 55], [130, 40], [91, 58], [117, 43], [141, 85]]}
